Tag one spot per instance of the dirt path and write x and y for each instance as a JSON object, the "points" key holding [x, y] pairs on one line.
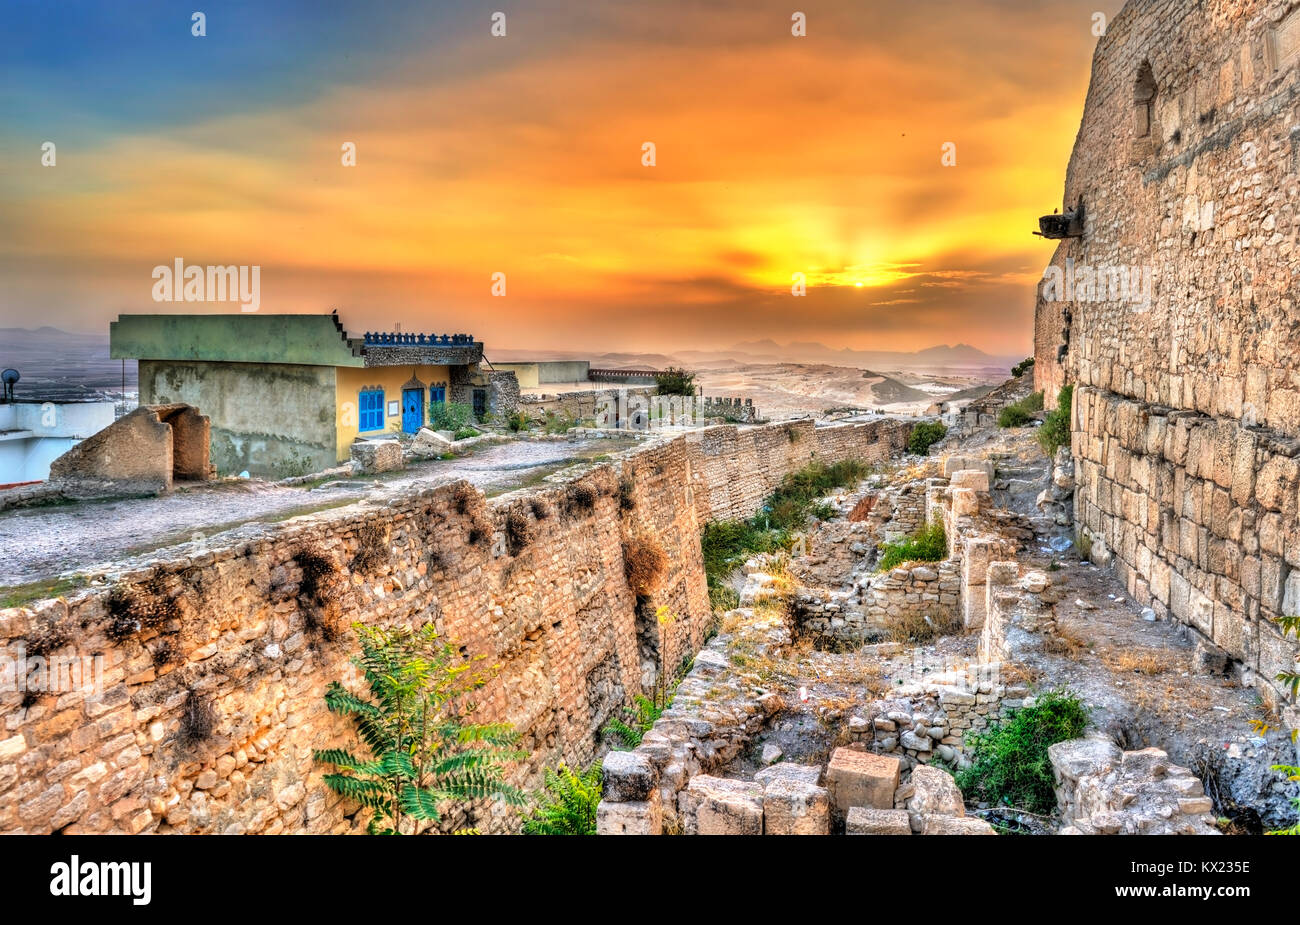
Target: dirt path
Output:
{"points": [[40, 542]]}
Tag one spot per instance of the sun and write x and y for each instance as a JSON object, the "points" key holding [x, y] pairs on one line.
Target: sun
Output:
{"points": [[859, 285]]}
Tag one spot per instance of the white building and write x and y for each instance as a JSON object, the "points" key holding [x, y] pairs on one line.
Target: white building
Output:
{"points": [[34, 433]]}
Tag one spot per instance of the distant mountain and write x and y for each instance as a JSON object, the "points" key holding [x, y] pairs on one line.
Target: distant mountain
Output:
{"points": [[943, 356], [49, 358]]}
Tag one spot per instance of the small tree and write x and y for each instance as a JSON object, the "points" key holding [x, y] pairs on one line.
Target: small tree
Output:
{"points": [[422, 752], [675, 381], [1022, 367]]}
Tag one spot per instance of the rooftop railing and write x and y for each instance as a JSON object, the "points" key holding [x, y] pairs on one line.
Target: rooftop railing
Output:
{"points": [[398, 339]]}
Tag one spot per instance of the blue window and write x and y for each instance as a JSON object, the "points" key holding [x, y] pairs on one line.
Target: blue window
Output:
{"points": [[371, 410], [437, 393]]}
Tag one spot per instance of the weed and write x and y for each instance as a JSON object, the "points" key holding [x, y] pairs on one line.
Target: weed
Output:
{"points": [[929, 544], [1009, 762]]}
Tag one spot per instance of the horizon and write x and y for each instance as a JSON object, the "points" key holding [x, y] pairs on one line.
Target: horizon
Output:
{"points": [[480, 154]]}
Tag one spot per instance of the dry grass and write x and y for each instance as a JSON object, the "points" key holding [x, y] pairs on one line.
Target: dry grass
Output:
{"points": [[644, 562], [1065, 641], [914, 628], [1149, 662]]}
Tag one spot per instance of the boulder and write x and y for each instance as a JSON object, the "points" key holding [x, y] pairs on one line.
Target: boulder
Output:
{"points": [[372, 456], [935, 792]]}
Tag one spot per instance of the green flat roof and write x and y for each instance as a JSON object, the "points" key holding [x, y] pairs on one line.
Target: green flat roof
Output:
{"points": [[247, 337]]}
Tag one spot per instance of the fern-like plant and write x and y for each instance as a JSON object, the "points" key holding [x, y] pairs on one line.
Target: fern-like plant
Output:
{"points": [[423, 754], [567, 803], [628, 734]]}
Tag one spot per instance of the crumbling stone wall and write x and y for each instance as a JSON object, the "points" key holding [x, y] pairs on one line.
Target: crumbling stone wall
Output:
{"points": [[216, 659], [1187, 402], [917, 591]]}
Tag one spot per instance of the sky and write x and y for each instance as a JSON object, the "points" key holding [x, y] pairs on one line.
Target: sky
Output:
{"points": [[478, 154]]}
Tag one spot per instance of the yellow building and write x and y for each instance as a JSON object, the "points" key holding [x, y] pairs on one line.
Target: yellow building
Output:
{"points": [[293, 392]]}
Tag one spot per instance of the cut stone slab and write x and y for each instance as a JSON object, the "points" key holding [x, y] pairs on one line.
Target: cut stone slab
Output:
{"points": [[858, 778], [716, 806], [788, 770], [864, 820], [940, 824], [430, 443], [935, 792], [793, 807]]}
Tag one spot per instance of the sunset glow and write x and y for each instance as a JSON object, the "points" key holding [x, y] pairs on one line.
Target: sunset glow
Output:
{"points": [[522, 155]]}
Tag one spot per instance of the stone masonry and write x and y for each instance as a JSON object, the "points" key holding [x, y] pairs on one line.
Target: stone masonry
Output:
{"points": [[216, 658], [1174, 319]]}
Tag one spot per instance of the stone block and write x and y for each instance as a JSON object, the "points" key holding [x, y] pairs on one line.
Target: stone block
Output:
{"points": [[716, 806], [643, 817], [788, 770], [794, 807], [974, 479], [628, 777], [940, 824], [864, 820], [858, 778]]}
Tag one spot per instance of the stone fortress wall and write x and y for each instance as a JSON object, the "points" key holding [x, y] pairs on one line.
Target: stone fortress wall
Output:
{"points": [[1186, 413], [215, 660]]}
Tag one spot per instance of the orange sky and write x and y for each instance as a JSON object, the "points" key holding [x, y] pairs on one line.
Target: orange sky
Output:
{"points": [[522, 155]]}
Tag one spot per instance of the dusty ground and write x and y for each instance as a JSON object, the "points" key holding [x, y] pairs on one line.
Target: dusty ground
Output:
{"points": [[788, 390], [39, 542]]}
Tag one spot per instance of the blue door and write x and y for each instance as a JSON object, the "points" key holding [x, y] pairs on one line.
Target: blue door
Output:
{"points": [[412, 410]]}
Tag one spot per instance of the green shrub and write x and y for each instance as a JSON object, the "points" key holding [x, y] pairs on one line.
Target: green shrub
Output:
{"points": [[1020, 413], [566, 804], [450, 415], [929, 544], [1013, 416], [1009, 763], [925, 435], [1022, 367], [518, 422], [1055, 432], [465, 433], [675, 381]]}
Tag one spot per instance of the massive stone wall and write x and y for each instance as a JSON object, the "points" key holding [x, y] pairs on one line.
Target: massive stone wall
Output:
{"points": [[215, 661], [1187, 399]]}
